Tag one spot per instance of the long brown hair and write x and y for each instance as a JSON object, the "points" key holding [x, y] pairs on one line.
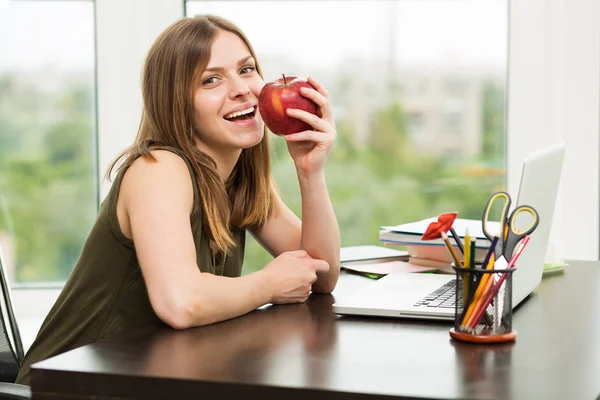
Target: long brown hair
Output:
{"points": [[171, 72]]}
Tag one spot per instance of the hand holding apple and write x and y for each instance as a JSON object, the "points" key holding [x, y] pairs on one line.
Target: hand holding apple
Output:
{"points": [[310, 147], [276, 97]]}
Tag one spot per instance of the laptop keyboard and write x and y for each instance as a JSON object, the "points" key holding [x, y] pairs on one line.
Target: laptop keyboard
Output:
{"points": [[442, 297]]}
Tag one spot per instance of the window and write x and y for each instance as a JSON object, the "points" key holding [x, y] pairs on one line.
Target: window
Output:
{"points": [[409, 88], [553, 87], [48, 173]]}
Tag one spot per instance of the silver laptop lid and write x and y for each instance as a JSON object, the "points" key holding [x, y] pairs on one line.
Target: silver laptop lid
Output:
{"points": [[538, 188]]}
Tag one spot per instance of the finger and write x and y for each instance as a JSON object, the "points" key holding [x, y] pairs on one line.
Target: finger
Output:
{"points": [[300, 295], [308, 287], [318, 137], [318, 87], [297, 253], [319, 100], [321, 266], [313, 120]]}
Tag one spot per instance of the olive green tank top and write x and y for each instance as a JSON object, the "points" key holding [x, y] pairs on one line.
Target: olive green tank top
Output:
{"points": [[105, 294]]}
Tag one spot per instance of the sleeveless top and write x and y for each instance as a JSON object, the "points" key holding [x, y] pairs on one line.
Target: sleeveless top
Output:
{"points": [[105, 294]]}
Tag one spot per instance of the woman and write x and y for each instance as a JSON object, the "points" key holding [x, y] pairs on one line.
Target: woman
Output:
{"points": [[167, 246]]}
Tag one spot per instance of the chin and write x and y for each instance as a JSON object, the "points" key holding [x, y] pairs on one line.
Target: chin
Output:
{"points": [[243, 137], [246, 137], [253, 139]]}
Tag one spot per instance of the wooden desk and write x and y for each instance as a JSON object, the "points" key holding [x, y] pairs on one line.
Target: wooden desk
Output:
{"points": [[305, 351]]}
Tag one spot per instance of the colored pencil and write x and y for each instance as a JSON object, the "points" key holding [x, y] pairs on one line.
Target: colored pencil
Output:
{"points": [[480, 289], [451, 250], [469, 299], [484, 287], [494, 290]]}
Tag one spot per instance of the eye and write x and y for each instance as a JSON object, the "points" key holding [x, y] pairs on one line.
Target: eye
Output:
{"points": [[209, 81], [247, 69]]}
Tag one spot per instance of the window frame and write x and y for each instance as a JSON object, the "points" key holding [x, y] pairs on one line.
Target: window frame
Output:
{"points": [[125, 30], [554, 95]]}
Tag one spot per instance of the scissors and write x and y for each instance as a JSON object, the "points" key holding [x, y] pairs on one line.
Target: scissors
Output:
{"points": [[511, 234]]}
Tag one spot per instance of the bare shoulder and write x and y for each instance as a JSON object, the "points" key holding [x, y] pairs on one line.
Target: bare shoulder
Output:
{"points": [[164, 161], [167, 177], [165, 166]]}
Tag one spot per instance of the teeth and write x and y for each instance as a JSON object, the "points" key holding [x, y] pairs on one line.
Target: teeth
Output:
{"points": [[238, 113]]}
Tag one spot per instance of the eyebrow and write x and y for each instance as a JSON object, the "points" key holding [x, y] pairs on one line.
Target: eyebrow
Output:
{"points": [[240, 62]]}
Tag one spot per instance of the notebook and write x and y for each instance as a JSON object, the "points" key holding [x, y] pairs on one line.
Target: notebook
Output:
{"points": [[368, 254], [410, 233], [401, 295], [389, 267]]}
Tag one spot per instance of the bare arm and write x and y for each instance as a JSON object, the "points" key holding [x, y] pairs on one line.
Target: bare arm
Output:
{"points": [[157, 199], [154, 206], [318, 233], [320, 230]]}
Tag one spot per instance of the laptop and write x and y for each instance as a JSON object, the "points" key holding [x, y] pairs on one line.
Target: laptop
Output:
{"points": [[401, 295]]}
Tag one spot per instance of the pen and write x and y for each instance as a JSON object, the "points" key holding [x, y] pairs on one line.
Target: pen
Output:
{"points": [[494, 290], [472, 253], [467, 260], [457, 240], [473, 281]]}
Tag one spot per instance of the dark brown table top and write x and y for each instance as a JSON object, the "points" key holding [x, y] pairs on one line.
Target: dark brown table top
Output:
{"points": [[306, 351]]}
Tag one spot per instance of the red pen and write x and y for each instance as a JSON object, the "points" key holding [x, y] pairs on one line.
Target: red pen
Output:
{"points": [[496, 287]]}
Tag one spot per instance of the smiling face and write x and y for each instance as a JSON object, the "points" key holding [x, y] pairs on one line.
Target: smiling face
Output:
{"points": [[226, 98]]}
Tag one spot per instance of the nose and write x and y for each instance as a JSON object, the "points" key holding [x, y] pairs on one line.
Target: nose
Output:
{"points": [[238, 88]]}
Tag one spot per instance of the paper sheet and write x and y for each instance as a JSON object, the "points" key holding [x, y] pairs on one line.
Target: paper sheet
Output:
{"points": [[391, 267]]}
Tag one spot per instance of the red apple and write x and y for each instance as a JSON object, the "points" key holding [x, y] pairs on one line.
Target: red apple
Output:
{"points": [[276, 97]]}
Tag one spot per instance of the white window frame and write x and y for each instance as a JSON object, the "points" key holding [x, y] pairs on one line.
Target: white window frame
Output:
{"points": [[125, 30], [553, 94]]}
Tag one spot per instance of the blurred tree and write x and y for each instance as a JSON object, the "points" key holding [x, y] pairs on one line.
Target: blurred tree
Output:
{"points": [[388, 147], [493, 107], [387, 182], [48, 183]]}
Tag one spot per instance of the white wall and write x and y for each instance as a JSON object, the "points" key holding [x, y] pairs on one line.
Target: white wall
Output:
{"points": [[125, 30], [554, 95]]}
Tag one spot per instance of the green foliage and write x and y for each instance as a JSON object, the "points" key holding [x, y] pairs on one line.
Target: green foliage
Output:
{"points": [[48, 184], [493, 105]]}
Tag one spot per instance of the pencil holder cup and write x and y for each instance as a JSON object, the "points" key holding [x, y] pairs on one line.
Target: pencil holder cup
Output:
{"points": [[483, 305]]}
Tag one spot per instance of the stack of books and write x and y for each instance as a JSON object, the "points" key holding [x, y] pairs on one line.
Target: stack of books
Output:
{"points": [[433, 253]]}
